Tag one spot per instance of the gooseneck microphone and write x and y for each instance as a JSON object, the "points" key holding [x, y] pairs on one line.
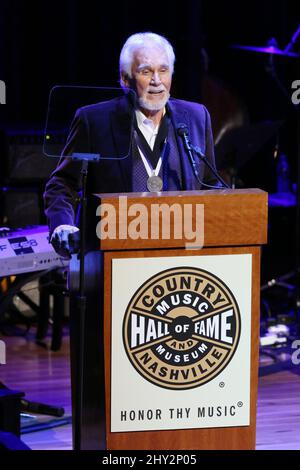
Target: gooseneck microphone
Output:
{"points": [[183, 132]]}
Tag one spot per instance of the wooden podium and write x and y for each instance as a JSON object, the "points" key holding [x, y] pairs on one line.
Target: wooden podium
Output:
{"points": [[137, 398]]}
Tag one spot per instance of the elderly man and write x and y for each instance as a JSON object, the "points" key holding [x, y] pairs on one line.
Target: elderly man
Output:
{"points": [[157, 159]]}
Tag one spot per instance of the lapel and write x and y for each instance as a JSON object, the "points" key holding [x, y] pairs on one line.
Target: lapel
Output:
{"points": [[180, 115], [121, 119]]}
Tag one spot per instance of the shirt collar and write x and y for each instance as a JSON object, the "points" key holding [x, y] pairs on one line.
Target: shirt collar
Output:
{"points": [[143, 120]]}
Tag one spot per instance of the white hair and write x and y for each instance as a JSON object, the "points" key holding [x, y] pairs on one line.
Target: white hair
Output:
{"points": [[136, 41]]}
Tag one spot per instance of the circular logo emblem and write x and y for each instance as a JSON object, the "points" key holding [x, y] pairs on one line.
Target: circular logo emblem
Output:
{"points": [[181, 328]]}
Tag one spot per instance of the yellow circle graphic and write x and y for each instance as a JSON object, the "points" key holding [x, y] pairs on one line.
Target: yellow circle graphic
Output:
{"points": [[181, 328]]}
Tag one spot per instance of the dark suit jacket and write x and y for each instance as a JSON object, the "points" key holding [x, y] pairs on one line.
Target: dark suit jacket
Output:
{"points": [[105, 128]]}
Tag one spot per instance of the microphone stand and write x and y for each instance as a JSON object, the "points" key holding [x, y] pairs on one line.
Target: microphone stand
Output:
{"points": [[204, 158], [182, 130], [189, 149], [85, 158]]}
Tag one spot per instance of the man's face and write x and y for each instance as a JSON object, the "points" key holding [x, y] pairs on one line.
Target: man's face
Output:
{"points": [[151, 77]]}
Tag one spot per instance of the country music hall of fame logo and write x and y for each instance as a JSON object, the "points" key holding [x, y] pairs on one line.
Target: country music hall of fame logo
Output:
{"points": [[181, 328]]}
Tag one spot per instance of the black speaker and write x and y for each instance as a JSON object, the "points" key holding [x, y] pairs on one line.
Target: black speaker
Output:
{"points": [[24, 170], [8, 442], [21, 207], [25, 161], [10, 408]]}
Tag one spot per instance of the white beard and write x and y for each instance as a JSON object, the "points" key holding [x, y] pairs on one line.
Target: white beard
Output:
{"points": [[153, 106]]}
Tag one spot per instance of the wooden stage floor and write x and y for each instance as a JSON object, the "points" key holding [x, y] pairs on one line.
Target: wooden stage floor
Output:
{"points": [[44, 376]]}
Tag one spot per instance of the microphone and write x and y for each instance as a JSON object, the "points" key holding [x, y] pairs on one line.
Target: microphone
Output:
{"points": [[183, 132], [41, 408], [182, 129]]}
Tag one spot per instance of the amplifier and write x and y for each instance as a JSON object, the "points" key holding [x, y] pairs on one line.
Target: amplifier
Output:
{"points": [[21, 207], [27, 250], [23, 159]]}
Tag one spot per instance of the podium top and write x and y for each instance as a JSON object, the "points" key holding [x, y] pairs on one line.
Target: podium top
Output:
{"points": [[167, 194], [170, 219]]}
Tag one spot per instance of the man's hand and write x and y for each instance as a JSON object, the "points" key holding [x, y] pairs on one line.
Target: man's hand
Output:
{"points": [[60, 240]]}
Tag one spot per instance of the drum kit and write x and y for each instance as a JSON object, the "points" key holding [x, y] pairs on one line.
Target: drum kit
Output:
{"points": [[264, 132], [271, 48], [240, 144]]}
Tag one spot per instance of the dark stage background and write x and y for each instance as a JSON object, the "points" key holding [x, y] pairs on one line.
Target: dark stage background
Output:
{"points": [[77, 42], [45, 43]]}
